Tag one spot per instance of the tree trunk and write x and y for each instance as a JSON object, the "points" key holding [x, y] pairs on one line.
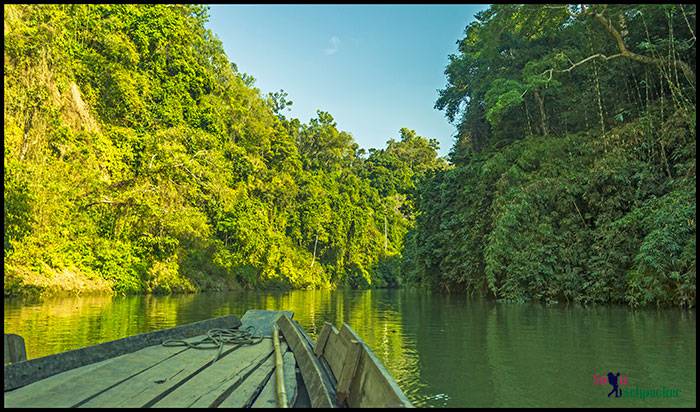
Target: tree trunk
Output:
{"points": [[527, 115], [386, 242], [600, 101], [28, 120], [543, 114], [314, 258]]}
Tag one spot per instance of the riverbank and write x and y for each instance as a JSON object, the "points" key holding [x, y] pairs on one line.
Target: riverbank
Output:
{"points": [[49, 283], [21, 282]]}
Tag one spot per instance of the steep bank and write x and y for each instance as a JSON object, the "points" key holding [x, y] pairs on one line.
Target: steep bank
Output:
{"points": [[574, 177], [580, 218], [137, 158]]}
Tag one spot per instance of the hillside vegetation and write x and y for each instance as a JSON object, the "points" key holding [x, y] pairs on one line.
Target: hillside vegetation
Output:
{"points": [[139, 159], [574, 167]]}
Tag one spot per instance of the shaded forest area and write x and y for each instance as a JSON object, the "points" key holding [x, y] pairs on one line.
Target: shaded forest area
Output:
{"points": [[574, 165], [137, 158]]}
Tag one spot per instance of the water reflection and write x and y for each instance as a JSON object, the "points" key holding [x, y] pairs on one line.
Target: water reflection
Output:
{"points": [[442, 350]]}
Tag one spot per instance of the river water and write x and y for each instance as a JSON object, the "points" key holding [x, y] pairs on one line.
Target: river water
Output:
{"points": [[443, 350]]}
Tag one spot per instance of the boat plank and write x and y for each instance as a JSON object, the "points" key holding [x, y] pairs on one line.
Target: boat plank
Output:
{"points": [[166, 376], [290, 377], [352, 358], [19, 397], [335, 352], [70, 387], [323, 339], [204, 389], [268, 396], [15, 350], [263, 320], [318, 388], [246, 393], [20, 374], [372, 385]]}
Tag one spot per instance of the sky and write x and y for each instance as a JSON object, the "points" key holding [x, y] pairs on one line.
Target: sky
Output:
{"points": [[374, 68]]}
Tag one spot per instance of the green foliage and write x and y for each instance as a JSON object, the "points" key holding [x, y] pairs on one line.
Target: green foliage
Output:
{"points": [[539, 69], [574, 177], [17, 217], [569, 219], [138, 158], [501, 96]]}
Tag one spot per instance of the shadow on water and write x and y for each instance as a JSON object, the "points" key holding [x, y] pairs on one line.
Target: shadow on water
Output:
{"points": [[442, 350]]}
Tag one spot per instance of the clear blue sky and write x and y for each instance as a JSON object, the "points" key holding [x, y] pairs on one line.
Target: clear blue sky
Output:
{"points": [[375, 68]]}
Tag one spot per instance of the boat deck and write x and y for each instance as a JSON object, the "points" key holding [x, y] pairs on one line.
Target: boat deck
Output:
{"points": [[159, 376], [141, 371]]}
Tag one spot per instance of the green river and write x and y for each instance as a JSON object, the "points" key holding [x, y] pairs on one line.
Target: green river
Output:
{"points": [[444, 351]]}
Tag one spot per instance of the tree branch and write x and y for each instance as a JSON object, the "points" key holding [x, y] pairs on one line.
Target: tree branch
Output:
{"points": [[107, 202], [625, 52], [573, 66]]}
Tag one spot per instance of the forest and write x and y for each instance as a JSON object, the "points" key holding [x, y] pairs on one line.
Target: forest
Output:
{"points": [[574, 165], [139, 159]]}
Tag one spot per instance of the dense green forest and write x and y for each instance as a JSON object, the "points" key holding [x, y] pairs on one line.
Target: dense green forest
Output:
{"points": [[574, 165], [138, 158]]}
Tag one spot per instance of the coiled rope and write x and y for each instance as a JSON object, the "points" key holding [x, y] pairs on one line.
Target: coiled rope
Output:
{"points": [[216, 339]]}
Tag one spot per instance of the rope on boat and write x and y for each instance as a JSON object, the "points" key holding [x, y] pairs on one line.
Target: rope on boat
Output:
{"points": [[216, 339]]}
